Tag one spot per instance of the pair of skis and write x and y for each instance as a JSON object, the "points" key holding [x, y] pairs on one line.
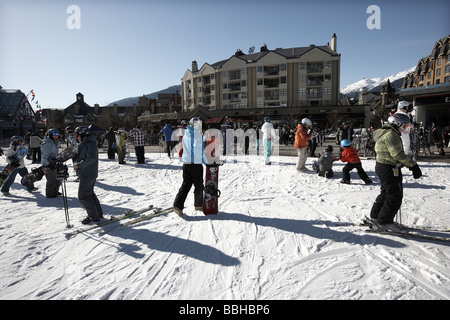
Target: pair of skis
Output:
{"points": [[135, 216], [424, 233]]}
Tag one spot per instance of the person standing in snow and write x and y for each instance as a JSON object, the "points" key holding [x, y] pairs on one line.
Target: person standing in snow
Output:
{"points": [[350, 155], [121, 144], [403, 107], [167, 132], [389, 160], [302, 136], [16, 148], [138, 136], [111, 140], [269, 137], [345, 132], [86, 168], [193, 157], [49, 150]]}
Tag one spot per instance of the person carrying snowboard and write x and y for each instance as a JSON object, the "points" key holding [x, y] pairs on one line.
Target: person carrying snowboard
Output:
{"points": [[86, 168], [15, 157], [350, 155], [390, 158], [193, 157]]}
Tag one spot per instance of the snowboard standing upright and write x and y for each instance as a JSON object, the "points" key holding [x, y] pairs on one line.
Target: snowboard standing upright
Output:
{"points": [[211, 192], [20, 154]]}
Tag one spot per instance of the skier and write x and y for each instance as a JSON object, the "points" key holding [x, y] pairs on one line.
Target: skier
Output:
{"points": [[268, 134], [302, 136], [86, 168], [15, 156], [49, 151], [350, 155], [390, 158], [193, 156]]}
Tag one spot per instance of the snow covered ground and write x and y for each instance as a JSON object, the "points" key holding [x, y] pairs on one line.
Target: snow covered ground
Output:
{"points": [[274, 238]]}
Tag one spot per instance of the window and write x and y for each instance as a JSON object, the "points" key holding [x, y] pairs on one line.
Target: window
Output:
{"points": [[259, 69], [302, 91], [429, 75], [439, 61], [302, 65], [447, 69], [259, 82], [327, 64], [302, 79], [283, 67], [283, 80], [327, 90], [243, 71], [438, 72]]}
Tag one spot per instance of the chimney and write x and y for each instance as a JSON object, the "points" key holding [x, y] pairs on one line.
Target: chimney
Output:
{"points": [[334, 43], [194, 66], [264, 48]]}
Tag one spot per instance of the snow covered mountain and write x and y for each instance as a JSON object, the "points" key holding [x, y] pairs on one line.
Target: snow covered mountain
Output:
{"points": [[134, 100], [374, 84]]}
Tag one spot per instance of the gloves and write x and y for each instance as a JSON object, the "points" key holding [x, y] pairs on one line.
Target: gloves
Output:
{"points": [[417, 173]]}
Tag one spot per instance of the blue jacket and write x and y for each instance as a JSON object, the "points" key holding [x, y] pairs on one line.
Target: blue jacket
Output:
{"points": [[167, 130], [193, 148]]}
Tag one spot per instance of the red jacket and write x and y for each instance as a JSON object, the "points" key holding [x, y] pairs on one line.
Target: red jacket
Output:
{"points": [[350, 155]]}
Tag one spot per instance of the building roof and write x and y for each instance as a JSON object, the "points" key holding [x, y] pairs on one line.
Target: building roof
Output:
{"points": [[10, 100]]}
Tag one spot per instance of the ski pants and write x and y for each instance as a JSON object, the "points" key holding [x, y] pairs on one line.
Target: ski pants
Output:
{"points": [[301, 159], [391, 193], [9, 181], [267, 150], [52, 185], [88, 198], [140, 154], [349, 167], [192, 175]]}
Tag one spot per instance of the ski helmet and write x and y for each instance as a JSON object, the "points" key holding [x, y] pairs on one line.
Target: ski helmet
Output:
{"points": [[345, 143], [16, 140], [267, 119], [70, 129], [82, 131], [398, 119], [51, 133], [306, 122], [403, 105]]}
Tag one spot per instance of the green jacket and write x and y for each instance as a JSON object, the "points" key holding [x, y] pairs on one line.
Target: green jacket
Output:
{"points": [[389, 147]]}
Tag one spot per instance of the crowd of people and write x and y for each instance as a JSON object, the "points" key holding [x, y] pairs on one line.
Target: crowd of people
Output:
{"points": [[392, 145]]}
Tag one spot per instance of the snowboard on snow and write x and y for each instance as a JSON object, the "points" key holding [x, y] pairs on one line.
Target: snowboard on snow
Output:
{"points": [[36, 174], [20, 154], [211, 192]]}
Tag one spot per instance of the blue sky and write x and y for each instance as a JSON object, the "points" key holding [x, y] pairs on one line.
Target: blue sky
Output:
{"points": [[130, 48]]}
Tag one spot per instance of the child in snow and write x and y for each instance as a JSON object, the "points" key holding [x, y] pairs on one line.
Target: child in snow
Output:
{"points": [[350, 156], [324, 165]]}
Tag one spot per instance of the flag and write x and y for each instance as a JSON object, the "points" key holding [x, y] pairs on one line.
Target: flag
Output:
{"points": [[32, 93]]}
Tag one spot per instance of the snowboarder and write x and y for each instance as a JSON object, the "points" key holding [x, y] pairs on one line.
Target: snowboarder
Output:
{"points": [[268, 134], [350, 155], [390, 158], [49, 151], [15, 157], [86, 168], [302, 136], [193, 156]]}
